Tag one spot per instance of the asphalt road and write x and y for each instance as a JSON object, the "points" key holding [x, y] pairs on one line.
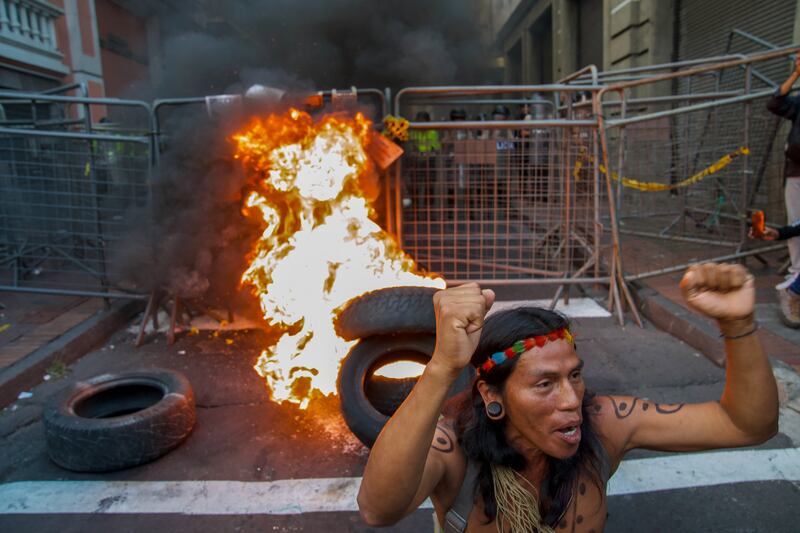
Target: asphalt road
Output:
{"points": [[241, 436]]}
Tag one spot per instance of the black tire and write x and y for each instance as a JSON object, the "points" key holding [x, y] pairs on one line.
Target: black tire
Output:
{"points": [[364, 416], [386, 394], [116, 421], [388, 311]]}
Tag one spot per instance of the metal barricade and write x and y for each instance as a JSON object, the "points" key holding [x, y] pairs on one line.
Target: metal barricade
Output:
{"points": [[689, 168], [511, 202], [67, 196], [374, 101]]}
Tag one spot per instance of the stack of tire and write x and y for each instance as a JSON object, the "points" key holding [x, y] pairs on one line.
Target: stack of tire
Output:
{"points": [[394, 324]]}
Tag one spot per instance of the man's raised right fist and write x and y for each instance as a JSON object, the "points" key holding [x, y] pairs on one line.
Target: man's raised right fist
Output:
{"points": [[460, 312]]}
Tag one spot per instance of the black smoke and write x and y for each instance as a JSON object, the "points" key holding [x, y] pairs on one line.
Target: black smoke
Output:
{"points": [[192, 241], [321, 43]]}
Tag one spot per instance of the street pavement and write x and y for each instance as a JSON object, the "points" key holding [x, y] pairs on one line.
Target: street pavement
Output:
{"points": [[243, 442]]}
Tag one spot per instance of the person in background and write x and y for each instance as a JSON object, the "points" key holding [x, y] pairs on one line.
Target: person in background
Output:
{"points": [[789, 295], [788, 107], [501, 112], [524, 114], [538, 161], [424, 141], [481, 158], [422, 148], [481, 134], [505, 176], [455, 140], [457, 115], [522, 163]]}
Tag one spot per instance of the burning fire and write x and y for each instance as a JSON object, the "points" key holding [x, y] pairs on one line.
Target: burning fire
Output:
{"points": [[319, 247], [399, 370]]}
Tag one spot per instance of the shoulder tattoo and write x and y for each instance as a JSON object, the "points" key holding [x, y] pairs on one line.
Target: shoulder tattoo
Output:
{"points": [[443, 440], [668, 408], [624, 408]]}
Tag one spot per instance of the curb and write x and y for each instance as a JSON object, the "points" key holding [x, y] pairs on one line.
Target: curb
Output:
{"points": [[72, 345], [679, 322]]}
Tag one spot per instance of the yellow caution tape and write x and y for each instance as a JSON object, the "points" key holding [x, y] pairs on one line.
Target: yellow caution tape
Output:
{"points": [[395, 128], [651, 186]]}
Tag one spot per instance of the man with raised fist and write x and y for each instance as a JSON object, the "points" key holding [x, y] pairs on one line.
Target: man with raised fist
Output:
{"points": [[528, 448]]}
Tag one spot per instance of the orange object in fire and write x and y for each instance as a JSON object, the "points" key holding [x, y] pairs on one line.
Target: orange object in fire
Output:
{"points": [[757, 220], [315, 100]]}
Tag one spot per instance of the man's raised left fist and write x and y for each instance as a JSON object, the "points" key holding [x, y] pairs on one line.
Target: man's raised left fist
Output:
{"points": [[724, 292]]}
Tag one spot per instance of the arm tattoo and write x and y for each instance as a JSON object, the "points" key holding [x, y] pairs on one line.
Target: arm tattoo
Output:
{"points": [[668, 409], [442, 439], [623, 409]]}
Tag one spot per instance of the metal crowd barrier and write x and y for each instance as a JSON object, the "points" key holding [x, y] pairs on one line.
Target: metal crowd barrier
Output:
{"points": [[374, 100], [504, 201], [67, 197], [72, 186], [689, 170], [598, 167]]}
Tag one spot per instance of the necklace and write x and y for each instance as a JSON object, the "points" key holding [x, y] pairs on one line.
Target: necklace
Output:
{"points": [[517, 505]]}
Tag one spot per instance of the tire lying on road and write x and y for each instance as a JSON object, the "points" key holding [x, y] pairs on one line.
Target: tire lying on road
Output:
{"points": [[367, 401], [116, 421], [387, 311]]}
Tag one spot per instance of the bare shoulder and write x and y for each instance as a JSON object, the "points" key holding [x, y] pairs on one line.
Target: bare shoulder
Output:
{"points": [[627, 422], [611, 417]]}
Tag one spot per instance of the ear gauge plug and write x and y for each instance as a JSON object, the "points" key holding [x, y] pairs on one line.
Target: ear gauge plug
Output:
{"points": [[494, 410]]}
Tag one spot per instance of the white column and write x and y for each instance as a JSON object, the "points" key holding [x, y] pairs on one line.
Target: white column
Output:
{"points": [[24, 26], [51, 31], [3, 16], [33, 17], [43, 27], [13, 15]]}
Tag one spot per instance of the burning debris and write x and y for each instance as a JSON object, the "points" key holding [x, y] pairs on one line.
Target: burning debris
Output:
{"points": [[306, 245], [319, 247]]}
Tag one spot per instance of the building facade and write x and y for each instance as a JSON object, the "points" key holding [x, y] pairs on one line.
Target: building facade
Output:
{"points": [[50, 43], [541, 41]]}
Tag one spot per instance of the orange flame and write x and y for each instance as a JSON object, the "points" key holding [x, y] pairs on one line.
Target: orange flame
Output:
{"points": [[319, 247]]}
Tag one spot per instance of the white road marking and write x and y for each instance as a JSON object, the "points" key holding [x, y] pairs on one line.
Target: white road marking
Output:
{"points": [[577, 308], [705, 469], [297, 496]]}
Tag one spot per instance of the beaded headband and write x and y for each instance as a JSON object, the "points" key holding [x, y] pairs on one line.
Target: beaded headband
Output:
{"points": [[523, 346]]}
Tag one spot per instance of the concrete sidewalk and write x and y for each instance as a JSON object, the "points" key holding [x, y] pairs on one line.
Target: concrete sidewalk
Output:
{"points": [[40, 334]]}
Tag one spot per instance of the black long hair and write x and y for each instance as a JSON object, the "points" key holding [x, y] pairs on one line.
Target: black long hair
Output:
{"points": [[483, 440]]}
